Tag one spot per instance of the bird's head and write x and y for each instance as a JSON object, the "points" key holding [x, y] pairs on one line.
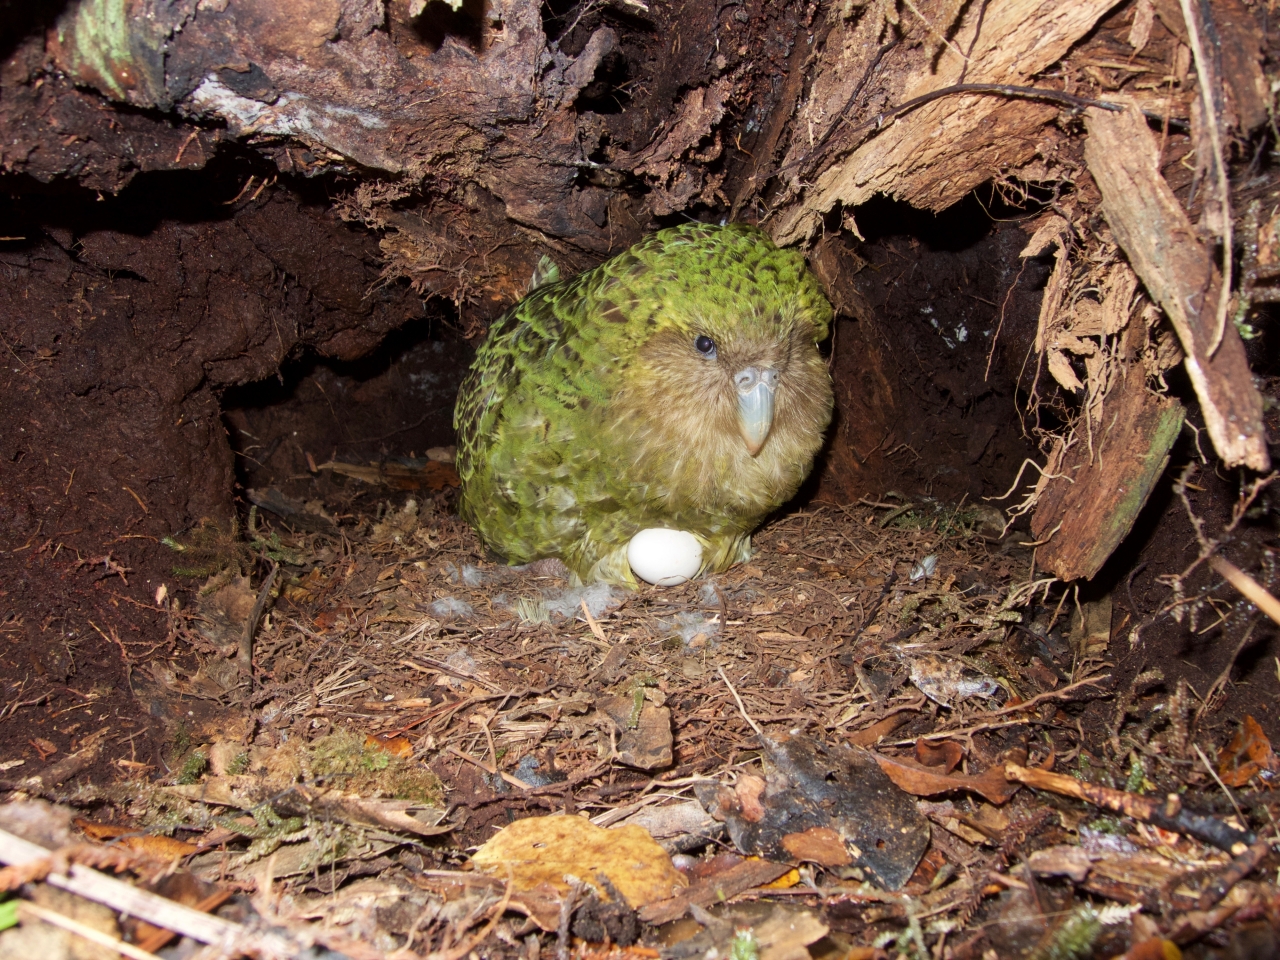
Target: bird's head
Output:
{"points": [[724, 327]]}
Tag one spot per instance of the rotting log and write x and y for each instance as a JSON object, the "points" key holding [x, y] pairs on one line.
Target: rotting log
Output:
{"points": [[1097, 489], [937, 154], [1176, 268]]}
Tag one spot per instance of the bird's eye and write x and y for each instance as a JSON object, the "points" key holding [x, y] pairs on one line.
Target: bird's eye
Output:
{"points": [[706, 346]]}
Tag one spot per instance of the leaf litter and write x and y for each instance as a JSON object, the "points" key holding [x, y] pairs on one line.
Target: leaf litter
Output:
{"points": [[852, 745]]}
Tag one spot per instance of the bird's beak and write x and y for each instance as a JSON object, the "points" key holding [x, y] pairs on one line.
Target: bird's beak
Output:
{"points": [[755, 386]]}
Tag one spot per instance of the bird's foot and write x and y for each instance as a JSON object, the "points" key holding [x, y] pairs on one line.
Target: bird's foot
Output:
{"points": [[547, 567]]}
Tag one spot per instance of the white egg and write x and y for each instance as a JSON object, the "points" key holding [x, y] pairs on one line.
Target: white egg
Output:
{"points": [[664, 557]]}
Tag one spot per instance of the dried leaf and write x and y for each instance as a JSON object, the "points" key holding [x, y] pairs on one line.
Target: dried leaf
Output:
{"points": [[1144, 16], [946, 680], [644, 739], [748, 790], [925, 782], [1062, 860], [820, 845], [428, 475], [396, 746], [811, 784], [551, 849], [714, 889], [1248, 754], [946, 754]]}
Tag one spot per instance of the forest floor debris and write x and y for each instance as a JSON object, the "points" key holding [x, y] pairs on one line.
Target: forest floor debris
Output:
{"points": [[885, 735]]}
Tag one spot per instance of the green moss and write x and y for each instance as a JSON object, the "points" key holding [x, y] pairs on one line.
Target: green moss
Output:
{"points": [[102, 41], [354, 766], [1074, 939], [181, 739], [193, 768]]}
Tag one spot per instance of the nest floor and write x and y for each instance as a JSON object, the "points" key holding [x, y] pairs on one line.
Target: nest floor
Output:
{"points": [[410, 699]]}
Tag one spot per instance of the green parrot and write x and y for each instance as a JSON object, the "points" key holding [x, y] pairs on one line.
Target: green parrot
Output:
{"points": [[678, 385]]}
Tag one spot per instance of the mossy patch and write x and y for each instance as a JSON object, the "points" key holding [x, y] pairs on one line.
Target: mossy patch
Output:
{"points": [[354, 764]]}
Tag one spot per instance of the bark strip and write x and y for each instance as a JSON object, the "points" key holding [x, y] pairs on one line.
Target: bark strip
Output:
{"points": [[1178, 272]]}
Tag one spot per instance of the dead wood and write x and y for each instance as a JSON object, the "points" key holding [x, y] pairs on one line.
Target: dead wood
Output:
{"points": [[1178, 272], [1168, 814], [1094, 495], [936, 155]]}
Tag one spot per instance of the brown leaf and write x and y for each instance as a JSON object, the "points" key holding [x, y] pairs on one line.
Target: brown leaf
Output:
{"points": [[748, 790], [159, 846], [1248, 754], [644, 740], [923, 782], [396, 746], [881, 728], [100, 831], [540, 904], [715, 889], [820, 845], [946, 754]]}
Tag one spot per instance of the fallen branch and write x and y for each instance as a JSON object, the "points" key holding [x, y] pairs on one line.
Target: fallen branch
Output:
{"points": [[1252, 590], [26, 910], [245, 654], [1239, 868], [42, 784], [230, 938], [1166, 814]]}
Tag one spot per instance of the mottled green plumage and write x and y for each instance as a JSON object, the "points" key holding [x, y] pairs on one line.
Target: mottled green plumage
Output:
{"points": [[589, 414]]}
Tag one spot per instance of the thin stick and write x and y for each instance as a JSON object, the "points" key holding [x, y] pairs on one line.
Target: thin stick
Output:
{"points": [[491, 771], [741, 709], [1252, 590], [81, 930], [1218, 780], [251, 627], [495, 914], [89, 883], [938, 34], [1225, 675], [1167, 814], [591, 622]]}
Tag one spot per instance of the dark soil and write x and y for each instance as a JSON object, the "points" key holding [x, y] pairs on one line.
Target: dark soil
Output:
{"points": [[939, 316], [124, 320]]}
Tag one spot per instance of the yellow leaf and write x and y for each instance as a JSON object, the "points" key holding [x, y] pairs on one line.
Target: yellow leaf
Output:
{"points": [[784, 882], [550, 849]]}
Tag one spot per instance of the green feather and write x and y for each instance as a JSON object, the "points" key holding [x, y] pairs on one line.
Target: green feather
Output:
{"points": [[588, 414]]}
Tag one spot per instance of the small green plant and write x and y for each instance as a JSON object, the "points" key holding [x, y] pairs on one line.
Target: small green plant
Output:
{"points": [[193, 768], [181, 739], [532, 610], [744, 945], [1073, 939], [1107, 825], [209, 548], [638, 686], [239, 763], [1137, 781]]}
